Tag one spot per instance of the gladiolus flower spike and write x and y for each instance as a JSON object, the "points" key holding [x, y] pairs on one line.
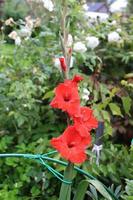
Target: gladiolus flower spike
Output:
{"points": [[76, 138]]}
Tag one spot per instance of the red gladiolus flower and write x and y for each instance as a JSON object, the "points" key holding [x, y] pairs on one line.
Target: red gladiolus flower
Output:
{"points": [[86, 121], [71, 145], [77, 78], [66, 98], [63, 64]]}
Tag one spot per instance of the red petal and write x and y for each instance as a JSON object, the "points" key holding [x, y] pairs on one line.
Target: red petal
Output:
{"points": [[77, 78], [77, 156], [63, 63]]}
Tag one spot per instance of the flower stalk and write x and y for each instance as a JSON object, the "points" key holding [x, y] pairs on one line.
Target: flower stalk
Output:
{"points": [[65, 192]]}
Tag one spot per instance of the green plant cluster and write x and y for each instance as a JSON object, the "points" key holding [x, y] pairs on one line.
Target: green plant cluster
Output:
{"points": [[27, 81]]}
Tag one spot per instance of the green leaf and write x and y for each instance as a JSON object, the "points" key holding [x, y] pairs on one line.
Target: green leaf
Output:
{"points": [[126, 104], [115, 109], [93, 192], [81, 190], [105, 115], [35, 191], [48, 95], [101, 189]]}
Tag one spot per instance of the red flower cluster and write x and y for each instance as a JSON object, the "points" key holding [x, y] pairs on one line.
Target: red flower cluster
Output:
{"points": [[75, 139]]}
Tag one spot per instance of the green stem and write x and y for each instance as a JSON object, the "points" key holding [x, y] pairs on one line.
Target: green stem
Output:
{"points": [[65, 191]]}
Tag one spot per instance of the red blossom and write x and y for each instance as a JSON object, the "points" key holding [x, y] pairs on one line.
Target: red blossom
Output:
{"points": [[66, 98], [74, 82], [63, 64], [71, 145], [86, 121], [77, 78], [75, 139]]}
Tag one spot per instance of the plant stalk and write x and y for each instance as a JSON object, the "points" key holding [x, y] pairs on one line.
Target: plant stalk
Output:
{"points": [[65, 192]]}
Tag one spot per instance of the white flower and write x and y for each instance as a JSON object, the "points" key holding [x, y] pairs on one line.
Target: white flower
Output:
{"points": [[37, 22], [69, 40], [113, 23], [85, 7], [18, 41], [25, 32], [57, 63], [48, 4], [29, 22], [79, 47], [86, 94], [13, 35], [113, 37], [9, 22], [92, 42], [118, 30]]}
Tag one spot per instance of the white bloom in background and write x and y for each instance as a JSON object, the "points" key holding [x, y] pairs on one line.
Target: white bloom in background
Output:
{"points": [[37, 22], [29, 22], [13, 35], [9, 22], [113, 23], [118, 30], [18, 41], [57, 63], [85, 7], [86, 94], [113, 37], [48, 4], [69, 40], [25, 32], [92, 42], [79, 47]]}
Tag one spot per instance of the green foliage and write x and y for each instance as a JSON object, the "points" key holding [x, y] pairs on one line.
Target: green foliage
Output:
{"points": [[15, 8], [119, 159], [101, 189], [92, 192], [130, 6], [128, 190], [81, 190]]}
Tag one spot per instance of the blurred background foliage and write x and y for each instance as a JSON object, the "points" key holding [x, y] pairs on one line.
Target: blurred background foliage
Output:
{"points": [[28, 77]]}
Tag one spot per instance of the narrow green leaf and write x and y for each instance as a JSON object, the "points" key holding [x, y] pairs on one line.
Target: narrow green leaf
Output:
{"points": [[94, 192], [81, 190], [101, 189]]}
